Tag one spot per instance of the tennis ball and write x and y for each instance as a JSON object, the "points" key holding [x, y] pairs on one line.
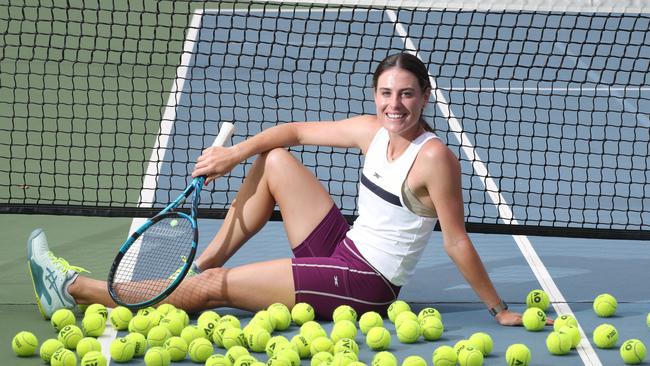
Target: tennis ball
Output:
{"points": [[647, 320], [158, 335], [633, 352], [444, 356], [404, 315], [122, 350], [408, 331], [605, 305], [63, 357], [357, 363], [427, 312], [280, 316], [321, 344], [277, 361], [344, 312], [287, 354], [61, 318], [262, 319], [312, 330], [344, 358], [245, 360], [558, 343], [369, 320], [93, 325], [301, 344], [235, 352], [432, 328], [93, 358], [302, 312], [97, 308], [190, 333], [348, 344], [173, 222], [414, 361], [482, 341], [24, 343], [233, 337], [157, 356], [461, 345], [140, 324], [120, 317], [276, 342], [165, 308], [182, 314], [534, 319], [605, 336], [176, 347], [384, 358], [200, 349], [538, 299], [207, 321], [378, 339], [217, 360], [88, 344], [256, 338], [518, 354], [566, 319], [231, 320], [174, 323], [70, 335], [153, 314], [470, 356], [321, 358], [48, 348], [397, 307], [139, 343], [343, 329], [572, 332]]}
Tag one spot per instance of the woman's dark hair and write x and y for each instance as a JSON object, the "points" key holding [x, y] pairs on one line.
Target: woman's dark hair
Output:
{"points": [[410, 63]]}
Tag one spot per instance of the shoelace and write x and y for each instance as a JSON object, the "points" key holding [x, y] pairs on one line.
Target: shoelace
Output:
{"points": [[63, 264]]}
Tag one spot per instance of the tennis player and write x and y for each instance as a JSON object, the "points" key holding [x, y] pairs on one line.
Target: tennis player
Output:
{"points": [[410, 181]]}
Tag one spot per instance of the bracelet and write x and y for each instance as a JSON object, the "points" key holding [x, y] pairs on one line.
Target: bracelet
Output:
{"points": [[501, 306]]}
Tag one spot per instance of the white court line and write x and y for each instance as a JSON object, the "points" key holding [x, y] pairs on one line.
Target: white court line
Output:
{"points": [[150, 183], [586, 352]]}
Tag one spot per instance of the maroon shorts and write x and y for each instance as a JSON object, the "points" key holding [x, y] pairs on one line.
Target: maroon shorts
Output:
{"points": [[329, 271]]}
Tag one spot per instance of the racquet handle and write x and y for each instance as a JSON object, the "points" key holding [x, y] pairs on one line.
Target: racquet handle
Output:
{"points": [[226, 131]]}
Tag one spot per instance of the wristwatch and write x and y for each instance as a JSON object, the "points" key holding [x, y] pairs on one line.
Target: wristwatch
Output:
{"points": [[501, 306]]}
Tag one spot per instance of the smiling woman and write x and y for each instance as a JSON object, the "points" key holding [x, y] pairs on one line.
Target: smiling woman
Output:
{"points": [[363, 266]]}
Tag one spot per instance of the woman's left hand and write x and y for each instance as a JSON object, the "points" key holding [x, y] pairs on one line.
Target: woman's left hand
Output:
{"points": [[510, 318]]}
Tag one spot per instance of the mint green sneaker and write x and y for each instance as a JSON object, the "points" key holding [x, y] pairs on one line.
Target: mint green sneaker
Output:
{"points": [[194, 270], [51, 275]]}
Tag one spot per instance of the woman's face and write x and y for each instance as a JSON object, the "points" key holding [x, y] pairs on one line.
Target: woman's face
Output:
{"points": [[399, 100]]}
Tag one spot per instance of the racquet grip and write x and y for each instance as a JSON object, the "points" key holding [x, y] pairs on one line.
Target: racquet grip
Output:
{"points": [[226, 131]]}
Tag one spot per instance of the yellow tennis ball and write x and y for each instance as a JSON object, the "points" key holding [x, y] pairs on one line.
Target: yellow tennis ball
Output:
{"points": [[280, 316], [302, 313], [70, 335], [208, 315], [470, 356], [344, 312], [444, 356], [321, 358], [93, 324], [408, 331], [262, 319], [88, 344], [93, 358], [538, 299], [97, 308], [277, 361], [633, 352], [534, 319], [369, 320], [605, 336], [164, 309], [346, 344], [414, 360], [378, 339], [432, 328], [274, 343], [427, 312], [174, 323], [460, 345], [120, 317], [647, 320], [572, 332], [182, 314], [207, 323], [343, 329], [217, 360], [288, 354], [155, 316], [562, 320], [200, 349], [312, 330], [384, 358], [233, 337], [404, 315], [518, 354], [344, 358], [231, 320], [24, 344], [558, 343], [235, 352], [605, 305], [48, 348], [321, 344], [482, 341], [245, 360], [63, 357], [397, 307], [61, 318], [301, 344], [176, 347], [139, 343], [158, 335], [140, 324], [122, 350], [192, 332], [157, 356], [256, 338]]}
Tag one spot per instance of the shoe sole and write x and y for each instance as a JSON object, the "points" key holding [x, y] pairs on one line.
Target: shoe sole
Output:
{"points": [[38, 299]]}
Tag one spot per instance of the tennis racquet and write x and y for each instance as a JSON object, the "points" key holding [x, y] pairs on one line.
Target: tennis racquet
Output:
{"points": [[155, 258]]}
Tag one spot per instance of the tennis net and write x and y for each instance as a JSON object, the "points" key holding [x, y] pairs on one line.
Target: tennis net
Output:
{"points": [[105, 105]]}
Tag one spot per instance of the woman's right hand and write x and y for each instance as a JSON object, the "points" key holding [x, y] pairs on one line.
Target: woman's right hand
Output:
{"points": [[215, 162]]}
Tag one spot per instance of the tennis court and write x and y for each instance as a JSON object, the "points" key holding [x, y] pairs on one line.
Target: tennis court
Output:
{"points": [[547, 111]]}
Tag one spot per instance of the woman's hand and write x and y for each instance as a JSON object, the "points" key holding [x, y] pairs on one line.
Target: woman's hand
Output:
{"points": [[215, 162], [509, 318]]}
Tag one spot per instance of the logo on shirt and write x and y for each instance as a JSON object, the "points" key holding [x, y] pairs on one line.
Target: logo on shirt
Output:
{"points": [[336, 281], [376, 175]]}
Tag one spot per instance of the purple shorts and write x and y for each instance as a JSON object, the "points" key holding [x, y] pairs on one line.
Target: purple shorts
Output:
{"points": [[329, 271]]}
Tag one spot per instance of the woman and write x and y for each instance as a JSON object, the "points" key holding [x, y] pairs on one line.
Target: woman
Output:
{"points": [[410, 181]]}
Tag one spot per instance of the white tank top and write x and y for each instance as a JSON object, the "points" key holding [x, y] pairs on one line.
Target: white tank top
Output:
{"points": [[386, 232]]}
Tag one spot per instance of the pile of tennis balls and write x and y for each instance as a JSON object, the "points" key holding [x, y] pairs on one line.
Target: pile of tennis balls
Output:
{"points": [[164, 334]]}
